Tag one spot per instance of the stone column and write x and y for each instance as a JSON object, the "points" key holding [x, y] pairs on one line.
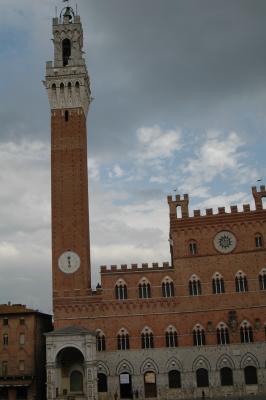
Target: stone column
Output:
{"points": [[51, 381], [91, 381]]}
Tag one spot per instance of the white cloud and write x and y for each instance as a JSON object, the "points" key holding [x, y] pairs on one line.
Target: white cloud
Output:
{"points": [[94, 169], [158, 179], [8, 250], [224, 200], [155, 143], [221, 156], [116, 172]]}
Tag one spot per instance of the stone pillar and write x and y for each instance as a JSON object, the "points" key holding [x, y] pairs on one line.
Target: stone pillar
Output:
{"points": [[12, 394], [51, 381], [91, 381]]}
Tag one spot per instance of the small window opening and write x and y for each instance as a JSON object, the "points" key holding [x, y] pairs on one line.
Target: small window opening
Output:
{"points": [[66, 47], [178, 212], [66, 116]]}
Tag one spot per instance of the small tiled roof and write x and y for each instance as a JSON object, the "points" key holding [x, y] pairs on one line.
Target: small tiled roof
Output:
{"points": [[70, 330]]}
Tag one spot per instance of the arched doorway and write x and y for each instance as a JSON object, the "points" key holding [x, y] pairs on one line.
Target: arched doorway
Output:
{"points": [[70, 370], [150, 387], [125, 386]]}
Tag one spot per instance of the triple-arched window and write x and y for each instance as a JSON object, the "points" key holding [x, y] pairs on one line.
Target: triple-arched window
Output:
{"points": [[241, 282], [222, 333], [123, 340], [198, 336], [246, 332], [217, 283], [171, 337], [144, 289], [194, 286], [147, 341], [100, 341], [168, 287], [121, 290]]}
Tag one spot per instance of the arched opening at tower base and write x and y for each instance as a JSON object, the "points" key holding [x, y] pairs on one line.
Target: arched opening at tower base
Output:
{"points": [[70, 372]]}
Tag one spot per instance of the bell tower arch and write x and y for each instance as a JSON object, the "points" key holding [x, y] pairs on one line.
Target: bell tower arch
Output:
{"points": [[68, 87]]}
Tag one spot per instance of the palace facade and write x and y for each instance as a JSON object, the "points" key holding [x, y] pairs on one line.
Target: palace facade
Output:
{"points": [[193, 328]]}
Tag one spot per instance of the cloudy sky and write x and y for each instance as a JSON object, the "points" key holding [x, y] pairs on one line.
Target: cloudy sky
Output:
{"points": [[180, 98]]}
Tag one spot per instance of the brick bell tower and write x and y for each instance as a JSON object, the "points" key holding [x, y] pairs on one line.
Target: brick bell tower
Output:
{"points": [[68, 86]]}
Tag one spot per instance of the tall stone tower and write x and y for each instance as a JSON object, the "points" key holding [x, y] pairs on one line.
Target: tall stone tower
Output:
{"points": [[68, 87]]}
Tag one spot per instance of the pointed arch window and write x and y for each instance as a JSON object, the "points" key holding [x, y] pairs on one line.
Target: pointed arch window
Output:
{"points": [[171, 339], [123, 340], [199, 336], [121, 290], [193, 247], [100, 341], [217, 284], [168, 287], [147, 341], [246, 332], [194, 286], [222, 333], [144, 289], [258, 241], [241, 282], [66, 50], [262, 279]]}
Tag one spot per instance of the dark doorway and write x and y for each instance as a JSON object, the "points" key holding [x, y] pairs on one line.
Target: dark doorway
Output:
{"points": [[202, 377], [4, 394], [251, 376], [22, 393], [150, 386], [226, 376], [125, 386], [102, 383]]}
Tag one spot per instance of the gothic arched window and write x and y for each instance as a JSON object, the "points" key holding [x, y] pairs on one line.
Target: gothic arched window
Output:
{"points": [[122, 340], [100, 341], [222, 334], [144, 289], [217, 283], [171, 337], [66, 50], [147, 341], [168, 287], [241, 282], [194, 286], [121, 290], [199, 336], [262, 279], [246, 332]]}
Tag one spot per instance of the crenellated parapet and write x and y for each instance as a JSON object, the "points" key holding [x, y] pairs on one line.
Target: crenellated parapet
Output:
{"points": [[178, 201], [258, 195], [135, 267]]}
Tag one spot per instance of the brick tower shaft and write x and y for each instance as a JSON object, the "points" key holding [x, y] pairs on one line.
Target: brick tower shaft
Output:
{"points": [[68, 88]]}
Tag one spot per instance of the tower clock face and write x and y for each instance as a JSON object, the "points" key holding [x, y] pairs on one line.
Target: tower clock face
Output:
{"points": [[69, 262], [224, 242]]}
